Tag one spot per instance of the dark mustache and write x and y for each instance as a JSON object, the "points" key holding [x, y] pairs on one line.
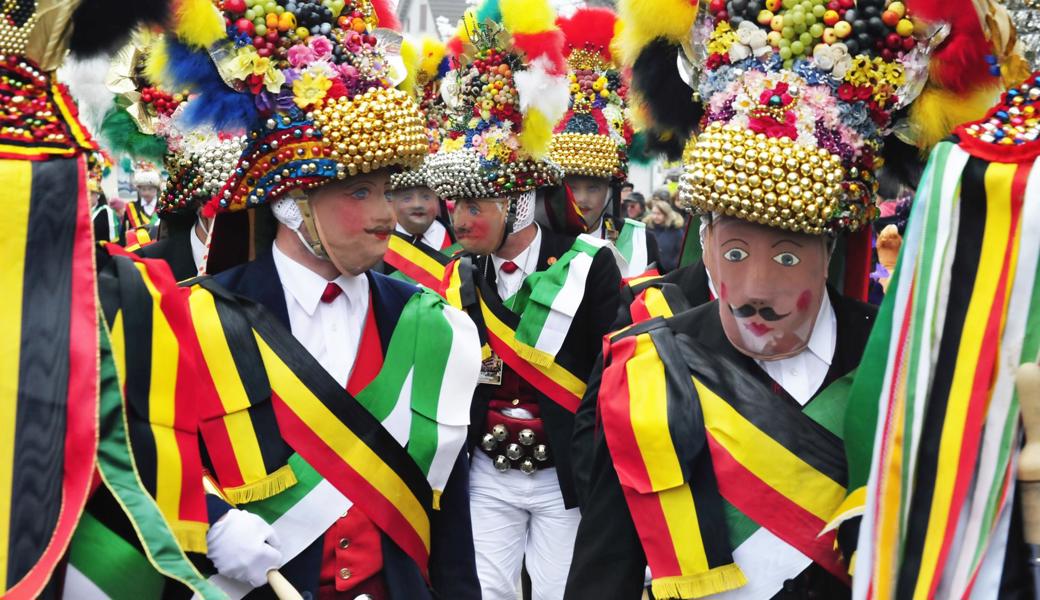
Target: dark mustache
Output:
{"points": [[766, 312], [376, 230]]}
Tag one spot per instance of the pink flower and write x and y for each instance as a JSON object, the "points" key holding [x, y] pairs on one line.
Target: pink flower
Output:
{"points": [[300, 56], [321, 46], [349, 73]]}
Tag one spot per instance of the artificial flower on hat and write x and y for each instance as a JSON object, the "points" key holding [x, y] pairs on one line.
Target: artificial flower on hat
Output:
{"points": [[505, 93], [314, 83]]}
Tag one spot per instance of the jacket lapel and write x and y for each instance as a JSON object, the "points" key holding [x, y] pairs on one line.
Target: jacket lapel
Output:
{"points": [[260, 283]]}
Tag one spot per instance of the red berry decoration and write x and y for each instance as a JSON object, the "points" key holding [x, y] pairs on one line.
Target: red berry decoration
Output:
{"points": [[245, 26], [235, 6]]}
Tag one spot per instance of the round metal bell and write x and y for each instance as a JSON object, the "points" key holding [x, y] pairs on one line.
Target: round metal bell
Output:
{"points": [[502, 463], [527, 466], [488, 442], [541, 453], [514, 452], [500, 432], [526, 437]]}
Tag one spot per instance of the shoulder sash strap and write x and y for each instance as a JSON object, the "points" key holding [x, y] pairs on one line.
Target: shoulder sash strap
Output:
{"points": [[423, 264]]}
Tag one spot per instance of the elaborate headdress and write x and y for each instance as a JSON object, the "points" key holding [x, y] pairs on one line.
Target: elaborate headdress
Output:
{"points": [[313, 83], [198, 164], [593, 137], [507, 91], [794, 98], [427, 63], [146, 174]]}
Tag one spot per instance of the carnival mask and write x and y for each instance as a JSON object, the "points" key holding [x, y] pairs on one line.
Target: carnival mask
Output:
{"points": [[590, 194], [480, 225], [353, 220], [770, 284]]}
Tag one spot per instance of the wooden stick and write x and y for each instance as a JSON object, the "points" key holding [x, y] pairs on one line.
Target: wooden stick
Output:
{"points": [[281, 586], [1027, 380]]}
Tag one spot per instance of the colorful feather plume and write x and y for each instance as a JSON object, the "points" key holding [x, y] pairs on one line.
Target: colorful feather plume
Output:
{"points": [[121, 135], [198, 23], [386, 15], [645, 21], [590, 29]]}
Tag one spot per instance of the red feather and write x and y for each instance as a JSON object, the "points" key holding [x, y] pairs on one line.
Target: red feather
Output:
{"points": [[959, 63], [386, 15], [454, 47], [589, 28], [548, 44]]}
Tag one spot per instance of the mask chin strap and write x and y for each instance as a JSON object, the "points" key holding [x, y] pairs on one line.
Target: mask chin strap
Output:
{"points": [[295, 213], [520, 215]]}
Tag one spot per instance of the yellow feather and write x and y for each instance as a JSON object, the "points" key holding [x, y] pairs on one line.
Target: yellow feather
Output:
{"points": [[155, 63], [536, 134], [648, 19], [467, 24], [527, 16], [199, 23], [433, 51], [411, 59], [936, 112]]}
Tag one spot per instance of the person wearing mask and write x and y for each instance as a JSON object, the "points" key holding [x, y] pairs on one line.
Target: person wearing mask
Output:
{"points": [[591, 141], [539, 351]]}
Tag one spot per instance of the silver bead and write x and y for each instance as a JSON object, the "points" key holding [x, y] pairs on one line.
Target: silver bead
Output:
{"points": [[488, 442], [526, 437], [527, 466], [514, 452], [541, 453], [501, 463], [500, 432]]}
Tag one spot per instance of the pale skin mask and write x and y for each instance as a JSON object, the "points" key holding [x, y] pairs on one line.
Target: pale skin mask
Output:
{"points": [[770, 283]]}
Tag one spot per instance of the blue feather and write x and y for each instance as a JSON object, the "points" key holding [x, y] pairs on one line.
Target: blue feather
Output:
{"points": [[444, 67], [214, 103]]}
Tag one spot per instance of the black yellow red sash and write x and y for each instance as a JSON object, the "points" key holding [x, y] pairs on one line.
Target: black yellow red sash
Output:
{"points": [[314, 416], [155, 352], [425, 265], [685, 429], [655, 299], [49, 366]]}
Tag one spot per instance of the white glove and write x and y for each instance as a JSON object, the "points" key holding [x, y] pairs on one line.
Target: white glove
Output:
{"points": [[244, 547]]}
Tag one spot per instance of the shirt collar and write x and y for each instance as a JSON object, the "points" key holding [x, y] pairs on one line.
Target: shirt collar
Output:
{"points": [[306, 286], [149, 206], [523, 259], [824, 334]]}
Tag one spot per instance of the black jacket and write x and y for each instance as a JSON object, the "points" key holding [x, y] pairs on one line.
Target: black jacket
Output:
{"points": [[608, 558], [653, 253], [669, 245], [175, 249], [692, 282], [580, 349], [453, 571]]}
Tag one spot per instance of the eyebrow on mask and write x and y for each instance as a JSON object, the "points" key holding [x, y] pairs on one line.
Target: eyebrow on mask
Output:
{"points": [[735, 240], [778, 242]]}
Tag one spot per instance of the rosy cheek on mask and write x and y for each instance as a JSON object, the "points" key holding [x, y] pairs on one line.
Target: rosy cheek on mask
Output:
{"points": [[723, 292], [804, 300]]}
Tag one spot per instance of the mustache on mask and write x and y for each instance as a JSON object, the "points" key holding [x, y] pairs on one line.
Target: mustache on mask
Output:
{"points": [[378, 231], [766, 312]]}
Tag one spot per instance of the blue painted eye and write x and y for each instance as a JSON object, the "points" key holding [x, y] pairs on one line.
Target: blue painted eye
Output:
{"points": [[787, 259], [735, 254], [361, 193]]}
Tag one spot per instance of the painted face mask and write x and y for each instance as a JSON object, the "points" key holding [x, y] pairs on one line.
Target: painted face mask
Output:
{"points": [[480, 225], [770, 284]]}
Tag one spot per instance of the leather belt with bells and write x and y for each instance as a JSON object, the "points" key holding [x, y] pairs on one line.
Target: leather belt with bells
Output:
{"points": [[515, 443]]}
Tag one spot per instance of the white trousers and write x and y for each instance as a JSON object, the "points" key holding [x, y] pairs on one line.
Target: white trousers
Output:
{"points": [[517, 516]]}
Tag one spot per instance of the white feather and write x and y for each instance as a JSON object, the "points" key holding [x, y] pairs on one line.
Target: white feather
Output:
{"points": [[539, 89], [86, 81]]}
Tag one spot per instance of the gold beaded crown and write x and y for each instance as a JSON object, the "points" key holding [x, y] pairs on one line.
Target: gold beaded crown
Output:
{"points": [[426, 62], [593, 137]]}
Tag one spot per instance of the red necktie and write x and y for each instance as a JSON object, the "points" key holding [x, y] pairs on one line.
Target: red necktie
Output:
{"points": [[332, 291], [509, 267]]}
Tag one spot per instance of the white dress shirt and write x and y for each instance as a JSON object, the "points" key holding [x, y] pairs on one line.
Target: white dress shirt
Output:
{"points": [[331, 332], [526, 262], [802, 375], [434, 237], [198, 249], [148, 206]]}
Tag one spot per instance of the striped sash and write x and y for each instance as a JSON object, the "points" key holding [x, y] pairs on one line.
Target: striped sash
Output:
{"points": [[707, 456], [420, 263]]}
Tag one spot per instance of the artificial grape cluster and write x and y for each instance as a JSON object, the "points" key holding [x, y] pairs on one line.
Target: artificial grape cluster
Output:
{"points": [[796, 27]]}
